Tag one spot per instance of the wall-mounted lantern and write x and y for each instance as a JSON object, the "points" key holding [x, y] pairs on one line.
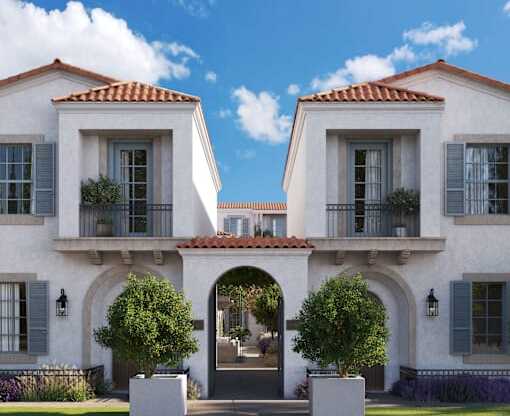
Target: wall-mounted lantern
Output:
{"points": [[432, 305], [62, 304]]}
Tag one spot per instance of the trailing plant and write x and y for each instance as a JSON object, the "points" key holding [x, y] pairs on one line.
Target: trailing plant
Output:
{"points": [[194, 389], [265, 307], [150, 323], [403, 202], [104, 191], [240, 333], [342, 325], [455, 389]]}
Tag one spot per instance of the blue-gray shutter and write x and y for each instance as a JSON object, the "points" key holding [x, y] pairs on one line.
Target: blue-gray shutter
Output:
{"points": [[454, 195], [280, 226], [246, 227], [226, 225], [44, 179], [460, 317], [506, 316], [38, 317]]}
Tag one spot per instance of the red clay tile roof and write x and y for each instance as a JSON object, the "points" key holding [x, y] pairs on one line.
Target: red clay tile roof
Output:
{"points": [[57, 65], [370, 92], [441, 65], [269, 206], [245, 242], [128, 91]]}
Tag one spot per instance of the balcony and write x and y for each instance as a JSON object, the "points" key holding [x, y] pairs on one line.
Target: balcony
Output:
{"points": [[368, 220], [123, 229], [371, 229]]}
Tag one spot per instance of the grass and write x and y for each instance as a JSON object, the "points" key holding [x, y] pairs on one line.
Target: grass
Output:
{"points": [[373, 411]]}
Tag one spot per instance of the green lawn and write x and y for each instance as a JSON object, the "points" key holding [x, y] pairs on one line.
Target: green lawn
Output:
{"points": [[388, 411]]}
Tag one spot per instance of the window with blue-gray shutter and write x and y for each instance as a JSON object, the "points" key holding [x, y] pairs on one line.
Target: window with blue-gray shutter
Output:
{"points": [[38, 317], [460, 317], [246, 227], [454, 198], [226, 225], [44, 179]]}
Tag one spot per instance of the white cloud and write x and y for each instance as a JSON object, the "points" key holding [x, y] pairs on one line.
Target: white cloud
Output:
{"points": [[223, 166], [197, 8], [259, 116], [94, 39], [246, 154], [210, 76], [224, 113], [506, 8], [449, 38], [293, 89]]}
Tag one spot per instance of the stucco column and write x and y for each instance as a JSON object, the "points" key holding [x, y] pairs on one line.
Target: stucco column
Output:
{"points": [[430, 180], [182, 178], [69, 179], [316, 167]]}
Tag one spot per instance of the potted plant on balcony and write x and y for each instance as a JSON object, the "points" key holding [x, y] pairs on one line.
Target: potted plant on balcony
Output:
{"points": [[403, 202], [100, 195], [150, 323], [341, 325]]}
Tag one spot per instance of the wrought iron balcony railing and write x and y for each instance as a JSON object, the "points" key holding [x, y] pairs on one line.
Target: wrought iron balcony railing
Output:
{"points": [[369, 220], [134, 219]]}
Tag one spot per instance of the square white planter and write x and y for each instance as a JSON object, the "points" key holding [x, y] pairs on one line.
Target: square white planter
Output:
{"points": [[335, 396], [161, 395]]}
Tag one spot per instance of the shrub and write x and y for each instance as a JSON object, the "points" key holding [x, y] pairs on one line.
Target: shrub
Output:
{"points": [[404, 202], [54, 388], [457, 389], [265, 308], [194, 389], [239, 333], [150, 323], [342, 325], [301, 390], [10, 389], [264, 344], [104, 191]]}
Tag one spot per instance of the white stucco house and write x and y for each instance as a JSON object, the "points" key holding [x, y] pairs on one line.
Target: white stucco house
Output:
{"points": [[437, 129]]}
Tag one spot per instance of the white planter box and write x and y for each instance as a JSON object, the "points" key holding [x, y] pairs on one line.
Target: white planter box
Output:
{"points": [[335, 396], [161, 395]]}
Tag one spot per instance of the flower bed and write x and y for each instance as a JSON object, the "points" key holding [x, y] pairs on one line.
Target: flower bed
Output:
{"points": [[455, 389]]}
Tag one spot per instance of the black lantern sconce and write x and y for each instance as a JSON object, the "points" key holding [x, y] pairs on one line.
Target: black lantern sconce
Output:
{"points": [[62, 304], [432, 305]]}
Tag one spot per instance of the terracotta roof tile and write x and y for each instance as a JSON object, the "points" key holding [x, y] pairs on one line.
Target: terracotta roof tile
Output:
{"points": [[269, 206], [128, 92], [57, 65], [245, 242], [441, 65], [370, 92]]}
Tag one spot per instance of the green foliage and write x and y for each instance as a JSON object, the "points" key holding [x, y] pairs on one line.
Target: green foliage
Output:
{"points": [[342, 324], [104, 191], [265, 308], [239, 333], [404, 202], [194, 389], [150, 323], [267, 233]]}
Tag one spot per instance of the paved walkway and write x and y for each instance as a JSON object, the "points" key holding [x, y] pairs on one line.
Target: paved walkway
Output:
{"points": [[246, 385]]}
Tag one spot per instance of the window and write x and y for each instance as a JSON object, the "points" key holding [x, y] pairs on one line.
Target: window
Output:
{"points": [[237, 226], [15, 178], [486, 173], [13, 317], [487, 316]]}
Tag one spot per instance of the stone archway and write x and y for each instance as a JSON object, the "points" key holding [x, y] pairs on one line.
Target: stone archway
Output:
{"points": [[398, 300], [102, 292]]}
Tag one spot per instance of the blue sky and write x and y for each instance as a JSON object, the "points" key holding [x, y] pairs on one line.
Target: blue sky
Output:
{"points": [[242, 56]]}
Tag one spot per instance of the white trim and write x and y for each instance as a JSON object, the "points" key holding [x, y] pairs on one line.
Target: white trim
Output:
{"points": [[107, 107]]}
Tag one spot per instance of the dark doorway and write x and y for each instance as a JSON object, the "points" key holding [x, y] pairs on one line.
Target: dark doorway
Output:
{"points": [[122, 371], [246, 336]]}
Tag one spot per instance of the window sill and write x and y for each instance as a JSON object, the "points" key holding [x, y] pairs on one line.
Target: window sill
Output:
{"points": [[483, 220], [13, 219], [487, 359], [17, 358]]}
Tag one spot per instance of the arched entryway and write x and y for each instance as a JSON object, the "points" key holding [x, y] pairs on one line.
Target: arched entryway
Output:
{"points": [[246, 342]]}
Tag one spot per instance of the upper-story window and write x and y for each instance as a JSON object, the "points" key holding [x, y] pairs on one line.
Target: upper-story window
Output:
{"points": [[236, 225], [15, 178], [486, 179], [13, 317]]}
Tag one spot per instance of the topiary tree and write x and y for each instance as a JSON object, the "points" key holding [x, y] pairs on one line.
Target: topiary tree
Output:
{"points": [[150, 323], [265, 307], [342, 324]]}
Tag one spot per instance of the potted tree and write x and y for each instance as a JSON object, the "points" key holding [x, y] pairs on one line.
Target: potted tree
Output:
{"points": [[150, 323], [341, 325], [403, 202], [100, 195]]}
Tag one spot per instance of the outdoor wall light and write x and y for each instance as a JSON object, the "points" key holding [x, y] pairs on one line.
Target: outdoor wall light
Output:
{"points": [[432, 305], [62, 304]]}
